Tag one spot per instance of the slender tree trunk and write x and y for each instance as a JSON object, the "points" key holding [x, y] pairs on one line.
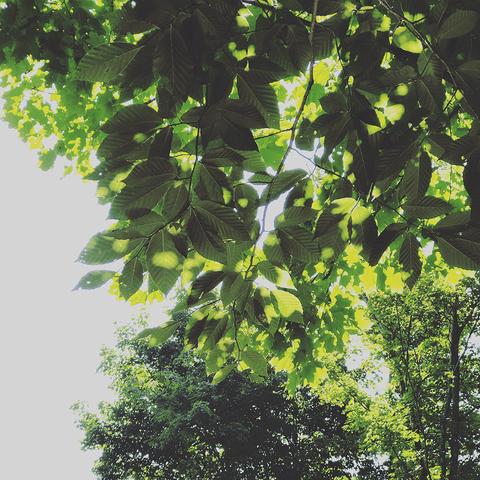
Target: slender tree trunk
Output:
{"points": [[455, 424]]}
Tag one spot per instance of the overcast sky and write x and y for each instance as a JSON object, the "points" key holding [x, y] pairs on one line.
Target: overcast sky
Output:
{"points": [[51, 336]]}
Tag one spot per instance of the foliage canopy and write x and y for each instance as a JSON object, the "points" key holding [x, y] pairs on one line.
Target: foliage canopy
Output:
{"points": [[197, 108], [170, 422]]}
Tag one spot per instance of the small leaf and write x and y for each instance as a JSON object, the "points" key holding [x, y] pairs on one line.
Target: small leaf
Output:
{"points": [[236, 136], [294, 216], [131, 278], [164, 262], [283, 182], [262, 97], [273, 251], [406, 40], [389, 234], [94, 279], [274, 274], [255, 361], [457, 24], [416, 179], [299, 243], [173, 61], [289, 306], [410, 259], [222, 374], [160, 334], [104, 62], [103, 249], [428, 207]]}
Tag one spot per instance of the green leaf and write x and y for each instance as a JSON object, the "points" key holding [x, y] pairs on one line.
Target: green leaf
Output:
{"points": [[261, 70], [294, 216], [236, 136], [204, 284], [364, 230], [133, 119], [406, 40], [164, 262], [430, 93], [231, 286], [215, 182], [461, 251], [458, 24], [222, 157], [393, 158], [289, 306], [283, 182], [246, 201], [103, 249], [453, 223], [263, 98], [104, 62], [94, 279], [460, 148], [416, 179], [410, 258], [274, 274], [333, 214], [428, 207], [255, 361], [471, 68], [175, 200], [304, 139], [334, 241], [134, 202], [299, 243], [213, 331], [160, 334], [333, 102], [273, 251], [204, 239], [131, 278], [222, 374], [216, 358], [221, 219], [388, 235], [173, 61], [241, 113]]}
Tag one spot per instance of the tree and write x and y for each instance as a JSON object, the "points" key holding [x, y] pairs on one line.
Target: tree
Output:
{"points": [[210, 98], [169, 421], [427, 421]]}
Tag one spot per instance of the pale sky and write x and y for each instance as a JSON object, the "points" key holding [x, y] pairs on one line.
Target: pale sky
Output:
{"points": [[51, 336]]}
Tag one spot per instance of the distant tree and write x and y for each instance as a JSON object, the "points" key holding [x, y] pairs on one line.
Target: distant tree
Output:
{"points": [[428, 420], [170, 422]]}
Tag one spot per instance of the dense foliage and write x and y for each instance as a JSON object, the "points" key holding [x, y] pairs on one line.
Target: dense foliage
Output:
{"points": [[427, 422], [170, 422], [197, 107]]}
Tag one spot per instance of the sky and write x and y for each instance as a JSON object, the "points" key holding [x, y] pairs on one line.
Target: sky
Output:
{"points": [[51, 337]]}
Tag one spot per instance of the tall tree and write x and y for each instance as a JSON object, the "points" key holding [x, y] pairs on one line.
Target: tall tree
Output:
{"points": [[209, 99], [169, 421], [428, 420]]}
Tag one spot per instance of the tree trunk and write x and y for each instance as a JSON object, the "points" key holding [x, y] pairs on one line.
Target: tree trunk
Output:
{"points": [[455, 423]]}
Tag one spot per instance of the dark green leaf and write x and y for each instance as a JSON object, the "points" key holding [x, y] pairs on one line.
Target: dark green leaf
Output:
{"points": [[104, 62], [273, 251], [389, 234], [333, 102], [236, 136], [255, 361], [133, 119], [410, 258], [458, 24], [416, 179], [283, 182], [173, 61], [428, 207], [164, 262], [102, 249], [294, 216], [299, 243], [94, 279], [263, 98], [131, 278], [204, 239]]}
